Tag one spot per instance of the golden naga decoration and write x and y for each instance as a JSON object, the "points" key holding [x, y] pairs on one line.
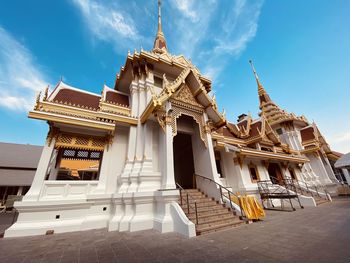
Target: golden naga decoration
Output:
{"points": [[52, 134], [46, 92], [37, 101]]}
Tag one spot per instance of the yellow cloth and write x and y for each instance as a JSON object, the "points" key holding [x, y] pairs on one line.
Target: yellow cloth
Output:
{"points": [[251, 207]]}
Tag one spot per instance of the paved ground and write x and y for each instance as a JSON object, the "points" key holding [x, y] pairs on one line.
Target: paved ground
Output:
{"points": [[6, 220], [319, 234]]}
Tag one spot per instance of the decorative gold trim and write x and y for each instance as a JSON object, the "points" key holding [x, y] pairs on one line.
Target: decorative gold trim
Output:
{"points": [[276, 156], [116, 109], [198, 117], [52, 134], [82, 142], [71, 120]]}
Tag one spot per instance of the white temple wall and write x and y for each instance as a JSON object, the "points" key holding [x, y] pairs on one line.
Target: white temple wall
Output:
{"points": [[329, 169], [318, 168], [347, 175], [53, 169], [44, 162], [298, 174], [166, 144], [156, 154], [229, 170], [118, 156], [204, 163], [248, 184]]}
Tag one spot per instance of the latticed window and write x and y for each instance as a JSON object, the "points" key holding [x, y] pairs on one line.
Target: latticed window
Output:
{"points": [[95, 155], [76, 164], [254, 175], [69, 153], [82, 140], [83, 154]]}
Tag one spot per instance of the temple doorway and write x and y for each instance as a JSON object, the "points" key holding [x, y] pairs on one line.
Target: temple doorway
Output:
{"points": [[183, 161], [275, 173]]}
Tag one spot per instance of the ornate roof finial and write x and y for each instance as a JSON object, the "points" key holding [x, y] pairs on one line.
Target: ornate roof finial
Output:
{"points": [[263, 96], [159, 42], [46, 93]]}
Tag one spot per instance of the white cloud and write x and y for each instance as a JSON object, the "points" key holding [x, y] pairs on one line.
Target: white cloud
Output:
{"points": [[209, 32], [109, 23], [340, 142], [213, 32], [186, 8], [20, 77]]}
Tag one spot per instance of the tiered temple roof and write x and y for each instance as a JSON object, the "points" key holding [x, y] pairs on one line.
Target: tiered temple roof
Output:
{"points": [[270, 110]]}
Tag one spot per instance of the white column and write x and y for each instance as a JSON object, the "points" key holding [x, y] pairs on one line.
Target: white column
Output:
{"points": [[125, 176], [53, 168], [149, 84], [168, 181], [134, 180], [204, 157], [347, 175], [20, 190], [147, 166], [329, 170], [109, 164], [45, 158]]}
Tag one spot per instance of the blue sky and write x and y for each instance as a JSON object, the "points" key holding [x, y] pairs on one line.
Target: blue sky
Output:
{"points": [[301, 50]]}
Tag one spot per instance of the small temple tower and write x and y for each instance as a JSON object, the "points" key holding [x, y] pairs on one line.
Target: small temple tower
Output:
{"points": [[300, 135]]}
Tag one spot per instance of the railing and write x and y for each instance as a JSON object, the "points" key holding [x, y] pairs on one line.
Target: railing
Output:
{"points": [[188, 202], [269, 190], [230, 193], [303, 187]]}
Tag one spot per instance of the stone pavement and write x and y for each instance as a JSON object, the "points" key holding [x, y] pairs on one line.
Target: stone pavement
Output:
{"points": [[320, 234], [6, 220]]}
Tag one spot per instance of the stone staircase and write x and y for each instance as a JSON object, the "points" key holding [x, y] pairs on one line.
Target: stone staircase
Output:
{"points": [[318, 199], [212, 216]]}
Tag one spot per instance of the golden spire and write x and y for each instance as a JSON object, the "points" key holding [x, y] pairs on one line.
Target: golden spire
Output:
{"points": [[263, 96], [159, 42]]}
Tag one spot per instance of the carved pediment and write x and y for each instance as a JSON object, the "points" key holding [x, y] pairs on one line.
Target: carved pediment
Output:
{"points": [[185, 95]]}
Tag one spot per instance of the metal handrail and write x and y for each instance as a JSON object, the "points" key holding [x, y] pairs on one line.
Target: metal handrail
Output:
{"points": [[187, 201], [229, 195], [316, 189], [309, 187], [277, 192]]}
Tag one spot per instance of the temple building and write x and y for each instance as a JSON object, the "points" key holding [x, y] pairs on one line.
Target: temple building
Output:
{"points": [[120, 160]]}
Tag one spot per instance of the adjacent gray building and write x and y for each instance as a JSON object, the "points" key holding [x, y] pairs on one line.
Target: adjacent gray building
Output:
{"points": [[18, 163]]}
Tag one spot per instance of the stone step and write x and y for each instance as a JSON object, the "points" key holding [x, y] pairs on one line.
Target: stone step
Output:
{"points": [[209, 213], [192, 199], [198, 194], [201, 210], [201, 204], [192, 190], [217, 227], [218, 222], [212, 218], [321, 201]]}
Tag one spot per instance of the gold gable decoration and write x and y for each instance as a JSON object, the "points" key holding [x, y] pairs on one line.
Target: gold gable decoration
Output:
{"points": [[198, 117], [184, 94], [71, 141]]}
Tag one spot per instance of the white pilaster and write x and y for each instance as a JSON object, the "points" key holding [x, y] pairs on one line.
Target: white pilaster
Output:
{"points": [[44, 162], [168, 181], [104, 170], [347, 175], [129, 163]]}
